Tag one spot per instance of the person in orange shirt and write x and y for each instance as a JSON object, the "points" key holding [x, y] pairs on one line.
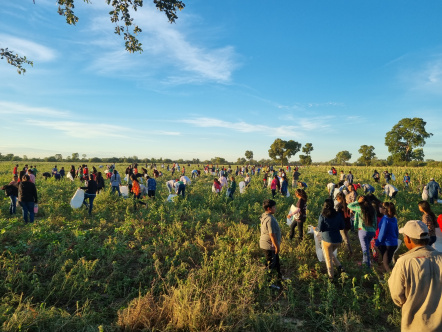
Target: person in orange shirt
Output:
{"points": [[136, 190]]}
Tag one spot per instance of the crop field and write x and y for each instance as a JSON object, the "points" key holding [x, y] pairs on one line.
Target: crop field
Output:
{"points": [[189, 265]]}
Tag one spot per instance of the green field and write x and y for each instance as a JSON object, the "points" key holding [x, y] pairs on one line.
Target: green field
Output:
{"points": [[189, 265]]}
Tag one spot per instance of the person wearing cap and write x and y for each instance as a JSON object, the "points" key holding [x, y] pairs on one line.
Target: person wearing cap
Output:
{"points": [[433, 190], [416, 281]]}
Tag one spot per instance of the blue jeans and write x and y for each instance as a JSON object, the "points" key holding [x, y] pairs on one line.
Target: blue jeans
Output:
{"points": [[91, 201], [365, 239], [28, 208], [116, 188], [13, 205]]}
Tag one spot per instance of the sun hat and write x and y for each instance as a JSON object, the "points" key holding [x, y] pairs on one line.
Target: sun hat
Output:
{"points": [[415, 229]]}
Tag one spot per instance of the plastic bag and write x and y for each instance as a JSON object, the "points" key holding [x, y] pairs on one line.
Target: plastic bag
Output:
{"points": [[425, 194], [295, 214], [124, 190], [171, 197], [35, 208], [77, 199], [318, 243], [242, 187], [393, 178]]}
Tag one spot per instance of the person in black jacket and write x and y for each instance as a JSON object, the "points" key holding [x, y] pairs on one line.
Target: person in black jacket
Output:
{"points": [[11, 190], [91, 192], [27, 197], [100, 182]]}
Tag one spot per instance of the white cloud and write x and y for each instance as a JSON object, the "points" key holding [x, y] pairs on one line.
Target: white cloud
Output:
{"points": [[166, 47], [82, 129], [32, 50], [283, 131], [20, 109]]}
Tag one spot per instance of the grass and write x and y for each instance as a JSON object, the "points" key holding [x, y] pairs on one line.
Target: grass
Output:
{"points": [[189, 265]]}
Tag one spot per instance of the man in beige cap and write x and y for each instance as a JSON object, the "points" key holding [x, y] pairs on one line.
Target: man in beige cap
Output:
{"points": [[416, 281]]}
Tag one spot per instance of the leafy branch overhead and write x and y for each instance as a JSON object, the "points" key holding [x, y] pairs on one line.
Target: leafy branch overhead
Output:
{"points": [[14, 59], [121, 15]]}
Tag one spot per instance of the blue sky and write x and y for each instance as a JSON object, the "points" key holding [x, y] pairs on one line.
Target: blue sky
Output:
{"points": [[227, 77]]}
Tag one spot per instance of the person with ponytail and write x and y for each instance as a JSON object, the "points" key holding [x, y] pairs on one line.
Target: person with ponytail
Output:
{"points": [[429, 219], [365, 222], [341, 207], [330, 223], [299, 222]]}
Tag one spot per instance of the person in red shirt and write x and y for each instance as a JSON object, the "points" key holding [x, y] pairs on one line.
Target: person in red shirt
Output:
{"points": [[14, 172]]}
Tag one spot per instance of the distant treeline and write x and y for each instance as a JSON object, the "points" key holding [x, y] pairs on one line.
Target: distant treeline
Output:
{"points": [[216, 161]]}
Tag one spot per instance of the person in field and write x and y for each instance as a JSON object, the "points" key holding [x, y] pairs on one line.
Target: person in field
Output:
{"points": [[180, 187], [90, 193], [365, 222], [342, 208], [416, 281], [368, 189], [11, 191], [330, 224], [350, 177], [274, 185], [433, 190], [284, 186], [270, 239], [151, 187], [232, 187], [376, 176], [406, 180], [136, 190], [100, 182], [351, 195], [27, 197], [429, 219], [387, 239], [217, 186], [331, 189], [115, 181], [390, 190], [301, 204]]}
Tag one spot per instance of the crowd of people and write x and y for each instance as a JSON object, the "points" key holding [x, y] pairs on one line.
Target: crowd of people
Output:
{"points": [[416, 278]]}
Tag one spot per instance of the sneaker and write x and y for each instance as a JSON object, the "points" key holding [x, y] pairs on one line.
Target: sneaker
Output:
{"points": [[273, 286]]}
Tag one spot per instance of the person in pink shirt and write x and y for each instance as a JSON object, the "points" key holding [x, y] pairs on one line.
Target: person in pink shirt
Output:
{"points": [[274, 185], [31, 176]]}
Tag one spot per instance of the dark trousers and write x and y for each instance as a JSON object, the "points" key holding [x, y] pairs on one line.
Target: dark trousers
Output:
{"points": [[387, 253], [272, 262], [300, 225], [28, 208], [181, 189], [91, 201], [13, 205]]}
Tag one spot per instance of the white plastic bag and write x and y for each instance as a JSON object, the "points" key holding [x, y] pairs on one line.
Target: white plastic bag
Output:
{"points": [[69, 176], [295, 214], [171, 197], [438, 244], [242, 187], [318, 243], [425, 194], [77, 199], [393, 178], [124, 190]]}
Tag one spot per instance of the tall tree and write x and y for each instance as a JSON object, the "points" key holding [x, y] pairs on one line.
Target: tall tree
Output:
{"points": [[281, 150], [120, 16], [406, 135], [367, 154], [307, 149], [343, 156], [75, 156], [249, 154]]}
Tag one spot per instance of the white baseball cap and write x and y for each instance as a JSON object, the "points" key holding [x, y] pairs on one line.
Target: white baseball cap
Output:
{"points": [[415, 229]]}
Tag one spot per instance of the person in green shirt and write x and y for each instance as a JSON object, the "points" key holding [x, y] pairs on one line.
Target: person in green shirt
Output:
{"points": [[365, 222]]}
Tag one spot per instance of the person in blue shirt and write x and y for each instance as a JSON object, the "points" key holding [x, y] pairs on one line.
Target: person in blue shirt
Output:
{"points": [[406, 180], [388, 235], [433, 190], [151, 187], [368, 189]]}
